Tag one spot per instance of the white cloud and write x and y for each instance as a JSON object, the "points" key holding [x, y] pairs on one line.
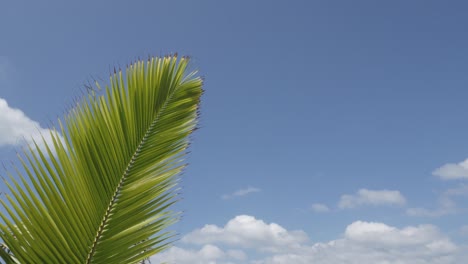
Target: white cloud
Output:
{"points": [[208, 254], [362, 242], [236, 254], [367, 242], [241, 192], [320, 208], [391, 237], [371, 197], [451, 171], [17, 129], [247, 232]]}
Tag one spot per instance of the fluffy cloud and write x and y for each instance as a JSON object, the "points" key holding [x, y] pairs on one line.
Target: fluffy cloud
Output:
{"points": [[362, 242], [17, 129], [208, 254], [247, 232], [371, 197], [382, 235], [320, 208], [451, 171], [241, 192]]}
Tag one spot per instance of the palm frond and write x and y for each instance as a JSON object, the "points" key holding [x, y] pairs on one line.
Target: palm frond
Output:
{"points": [[103, 193], [6, 255]]}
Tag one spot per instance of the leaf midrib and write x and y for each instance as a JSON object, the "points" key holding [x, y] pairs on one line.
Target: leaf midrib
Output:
{"points": [[124, 176]]}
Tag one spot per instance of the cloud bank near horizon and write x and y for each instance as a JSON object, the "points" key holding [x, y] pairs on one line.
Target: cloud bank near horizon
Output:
{"points": [[245, 239]]}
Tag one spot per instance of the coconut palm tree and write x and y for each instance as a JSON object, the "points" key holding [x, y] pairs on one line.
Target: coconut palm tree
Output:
{"points": [[102, 190]]}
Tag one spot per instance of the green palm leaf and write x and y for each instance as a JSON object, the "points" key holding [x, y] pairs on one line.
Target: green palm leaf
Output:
{"points": [[103, 193]]}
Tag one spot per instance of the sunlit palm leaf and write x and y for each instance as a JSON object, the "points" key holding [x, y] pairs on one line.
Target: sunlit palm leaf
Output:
{"points": [[102, 195]]}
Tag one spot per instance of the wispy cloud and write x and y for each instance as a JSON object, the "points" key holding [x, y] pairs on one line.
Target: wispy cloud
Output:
{"points": [[320, 208], [241, 192], [371, 197], [452, 171], [464, 230], [460, 190], [445, 204]]}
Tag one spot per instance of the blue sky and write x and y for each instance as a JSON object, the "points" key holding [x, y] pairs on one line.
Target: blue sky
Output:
{"points": [[326, 126]]}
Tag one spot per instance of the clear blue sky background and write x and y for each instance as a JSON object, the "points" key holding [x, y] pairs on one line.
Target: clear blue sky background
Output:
{"points": [[305, 100]]}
